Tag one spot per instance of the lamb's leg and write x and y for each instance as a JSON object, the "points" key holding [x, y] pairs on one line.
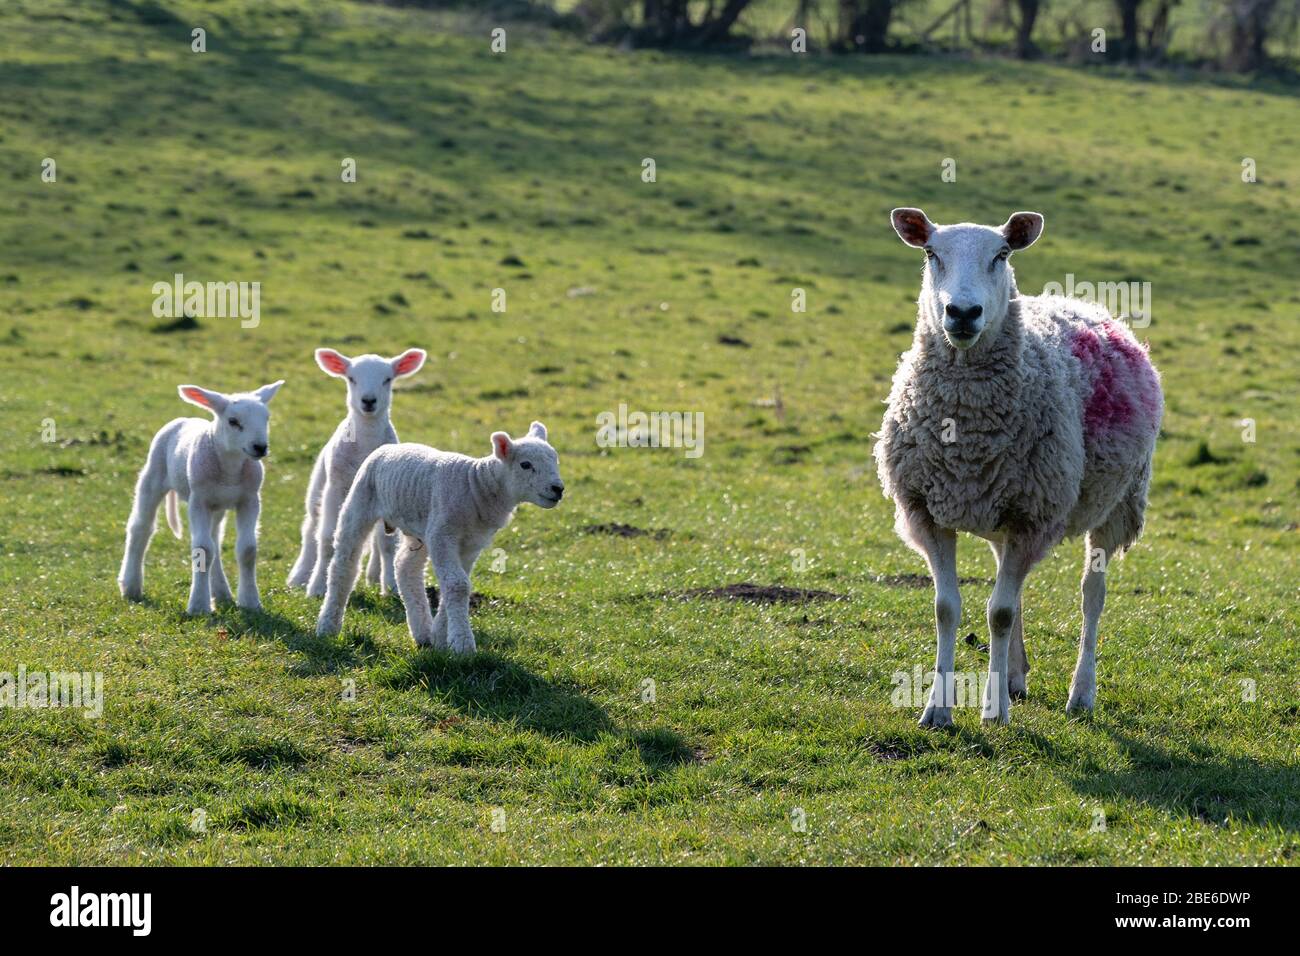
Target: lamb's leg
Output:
{"points": [[1097, 551], [386, 544], [331, 504], [453, 591], [411, 558], [306, 563], [1017, 659], [1018, 556], [940, 548], [353, 526], [246, 551], [374, 562], [220, 586], [202, 550], [139, 530]]}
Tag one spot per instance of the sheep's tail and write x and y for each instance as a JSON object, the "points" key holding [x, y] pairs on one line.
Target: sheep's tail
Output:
{"points": [[174, 513]]}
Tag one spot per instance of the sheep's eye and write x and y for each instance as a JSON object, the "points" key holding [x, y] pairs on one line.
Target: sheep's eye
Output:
{"points": [[388, 381], [235, 424], [930, 256], [526, 465], [352, 380]]}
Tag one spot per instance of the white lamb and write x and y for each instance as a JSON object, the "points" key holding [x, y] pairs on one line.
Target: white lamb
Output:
{"points": [[366, 427], [214, 466], [1021, 419], [448, 508]]}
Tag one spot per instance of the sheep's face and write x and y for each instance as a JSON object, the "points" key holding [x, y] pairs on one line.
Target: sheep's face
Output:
{"points": [[370, 378], [531, 467], [242, 422], [967, 281]]}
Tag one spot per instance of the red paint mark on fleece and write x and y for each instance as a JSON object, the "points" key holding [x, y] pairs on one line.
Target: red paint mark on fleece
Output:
{"points": [[1123, 381]]}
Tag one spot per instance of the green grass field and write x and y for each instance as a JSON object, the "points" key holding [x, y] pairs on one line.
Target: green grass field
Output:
{"points": [[523, 172]]}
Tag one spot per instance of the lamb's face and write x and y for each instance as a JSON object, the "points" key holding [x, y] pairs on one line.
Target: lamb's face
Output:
{"points": [[242, 422], [532, 468], [370, 378], [967, 281]]}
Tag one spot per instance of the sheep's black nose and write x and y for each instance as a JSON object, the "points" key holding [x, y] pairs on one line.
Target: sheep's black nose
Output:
{"points": [[259, 451], [368, 402], [968, 314], [557, 490]]}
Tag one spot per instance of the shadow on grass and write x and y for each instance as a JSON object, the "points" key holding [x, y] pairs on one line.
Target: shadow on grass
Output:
{"points": [[321, 655], [1207, 785]]}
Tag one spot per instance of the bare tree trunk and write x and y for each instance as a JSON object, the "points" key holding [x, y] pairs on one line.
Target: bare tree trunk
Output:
{"points": [[1025, 28], [864, 24], [1128, 18], [1250, 24]]}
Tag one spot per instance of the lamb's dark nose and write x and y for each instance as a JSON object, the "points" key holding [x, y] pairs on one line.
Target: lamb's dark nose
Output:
{"points": [[557, 490], [368, 402], [259, 451], [968, 314]]}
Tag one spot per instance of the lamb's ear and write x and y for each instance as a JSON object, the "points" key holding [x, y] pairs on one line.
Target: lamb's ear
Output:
{"points": [[408, 363], [1023, 229], [912, 226], [501, 445], [267, 392], [537, 430], [333, 363], [214, 401]]}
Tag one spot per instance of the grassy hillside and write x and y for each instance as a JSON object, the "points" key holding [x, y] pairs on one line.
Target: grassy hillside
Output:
{"points": [[523, 172]]}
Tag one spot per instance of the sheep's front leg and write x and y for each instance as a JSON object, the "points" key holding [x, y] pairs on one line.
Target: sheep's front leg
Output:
{"points": [[246, 551], [342, 577], [218, 583], [453, 592], [410, 584], [1017, 659], [940, 548], [387, 547], [1017, 558], [331, 504], [202, 550]]}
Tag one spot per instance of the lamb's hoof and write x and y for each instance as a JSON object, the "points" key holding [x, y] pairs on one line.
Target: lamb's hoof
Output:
{"points": [[936, 717], [223, 600], [297, 581], [316, 590], [1081, 702], [131, 592], [327, 628], [193, 611], [1003, 719], [423, 640], [252, 606], [1018, 690], [463, 646]]}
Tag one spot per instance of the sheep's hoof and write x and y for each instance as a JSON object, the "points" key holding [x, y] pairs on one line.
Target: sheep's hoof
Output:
{"points": [[1002, 719], [132, 593], [936, 717], [316, 592], [198, 611], [1080, 703], [1017, 689], [326, 628], [252, 606]]}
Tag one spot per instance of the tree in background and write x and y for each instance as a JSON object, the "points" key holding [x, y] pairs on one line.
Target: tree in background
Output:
{"points": [[1024, 24], [1129, 41], [864, 24]]}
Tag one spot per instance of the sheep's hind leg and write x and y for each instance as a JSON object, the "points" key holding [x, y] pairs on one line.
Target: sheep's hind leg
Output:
{"points": [[1017, 659], [940, 548], [139, 530], [1018, 557], [1099, 545], [202, 550], [453, 593]]}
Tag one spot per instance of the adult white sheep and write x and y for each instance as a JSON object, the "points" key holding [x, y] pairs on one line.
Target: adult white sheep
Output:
{"points": [[448, 508], [367, 426], [1021, 419], [214, 466]]}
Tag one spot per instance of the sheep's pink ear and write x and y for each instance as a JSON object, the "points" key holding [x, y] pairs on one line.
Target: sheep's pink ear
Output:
{"points": [[912, 226], [409, 362], [333, 363], [538, 430], [203, 398], [501, 445], [1023, 229]]}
